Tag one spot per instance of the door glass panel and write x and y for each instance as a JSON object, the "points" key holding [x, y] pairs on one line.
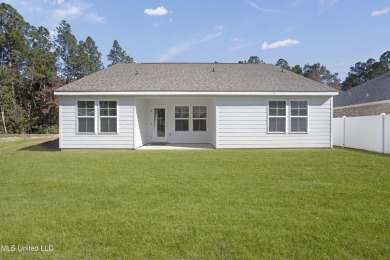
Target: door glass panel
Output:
{"points": [[159, 121]]}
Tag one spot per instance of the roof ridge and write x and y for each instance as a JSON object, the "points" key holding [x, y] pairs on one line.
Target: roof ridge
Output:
{"points": [[208, 63]]}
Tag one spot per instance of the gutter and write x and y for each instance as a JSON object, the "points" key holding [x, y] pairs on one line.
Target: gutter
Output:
{"points": [[191, 93]]}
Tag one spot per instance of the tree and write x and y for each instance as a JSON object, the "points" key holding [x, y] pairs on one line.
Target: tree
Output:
{"points": [[356, 76], [376, 69], [66, 49], [373, 69], [350, 81], [297, 69], [41, 69], [88, 58], [283, 64], [48, 107], [320, 74], [27, 65], [5, 104], [41, 59], [255, 59], [364, 71], [13, 65], [385, 58], [118, 56]]}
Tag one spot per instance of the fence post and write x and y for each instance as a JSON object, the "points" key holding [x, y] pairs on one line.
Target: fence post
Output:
{"points": [[344, 117], [383, 131]]}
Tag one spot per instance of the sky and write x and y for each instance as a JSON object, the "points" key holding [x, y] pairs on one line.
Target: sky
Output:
{"points": [[335, 33]]}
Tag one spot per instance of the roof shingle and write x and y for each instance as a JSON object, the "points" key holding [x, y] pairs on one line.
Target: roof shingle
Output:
{"points": [[212, 77], [377, 89]]}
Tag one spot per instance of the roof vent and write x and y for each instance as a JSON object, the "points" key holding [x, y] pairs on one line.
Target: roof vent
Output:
{"points": [[213, 70], [367, 95], [136, 73], [349, 93]]}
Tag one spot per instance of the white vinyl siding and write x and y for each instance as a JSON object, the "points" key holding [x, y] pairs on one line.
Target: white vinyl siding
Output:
{"points": [[71, 139], [242, 123], [231, 122], [140, 123]]}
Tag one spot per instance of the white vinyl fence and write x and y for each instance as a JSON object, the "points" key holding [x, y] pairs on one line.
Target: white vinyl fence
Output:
{"points": [[364, 132]]}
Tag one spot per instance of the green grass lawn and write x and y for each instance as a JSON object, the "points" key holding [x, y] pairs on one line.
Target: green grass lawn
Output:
{"points": [[276, 204]]}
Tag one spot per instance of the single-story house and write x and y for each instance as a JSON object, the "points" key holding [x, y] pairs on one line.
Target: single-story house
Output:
{"points": [[226, 105], [369, 98]]}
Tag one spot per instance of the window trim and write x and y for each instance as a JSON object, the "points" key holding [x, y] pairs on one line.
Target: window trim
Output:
{"points": [[307, 116], [286, 117], [77, 116], [189, 118], [99, 117], [205, 119]]}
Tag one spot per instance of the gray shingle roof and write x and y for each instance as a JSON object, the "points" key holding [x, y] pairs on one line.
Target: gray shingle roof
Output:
{"points": [[377, 89], [194, 77]]}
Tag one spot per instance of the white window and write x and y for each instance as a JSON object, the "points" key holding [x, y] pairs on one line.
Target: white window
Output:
{"points": [[182, 115], [86, 116], [277, 117], [108, 116], [199, 118], [299, 117]]}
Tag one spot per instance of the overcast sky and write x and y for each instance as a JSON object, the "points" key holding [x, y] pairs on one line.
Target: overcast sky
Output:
{"points": [[336, 33]]}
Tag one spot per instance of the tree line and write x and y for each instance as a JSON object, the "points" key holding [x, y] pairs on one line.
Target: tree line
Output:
{"points": [[358, 74], [33, 63]]}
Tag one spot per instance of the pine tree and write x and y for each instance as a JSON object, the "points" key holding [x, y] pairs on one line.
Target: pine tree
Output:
{"points": [[320, 74], [88, 58], [42, 70], [13, 65], [364, 71], [66, 49], [283, 64], [118, 56]]}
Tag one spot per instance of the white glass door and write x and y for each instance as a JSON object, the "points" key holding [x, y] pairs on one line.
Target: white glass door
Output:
{"points": [[159, 124]]}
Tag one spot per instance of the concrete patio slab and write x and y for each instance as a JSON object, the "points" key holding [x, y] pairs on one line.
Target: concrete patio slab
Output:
{"points": [[177, 147]]}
